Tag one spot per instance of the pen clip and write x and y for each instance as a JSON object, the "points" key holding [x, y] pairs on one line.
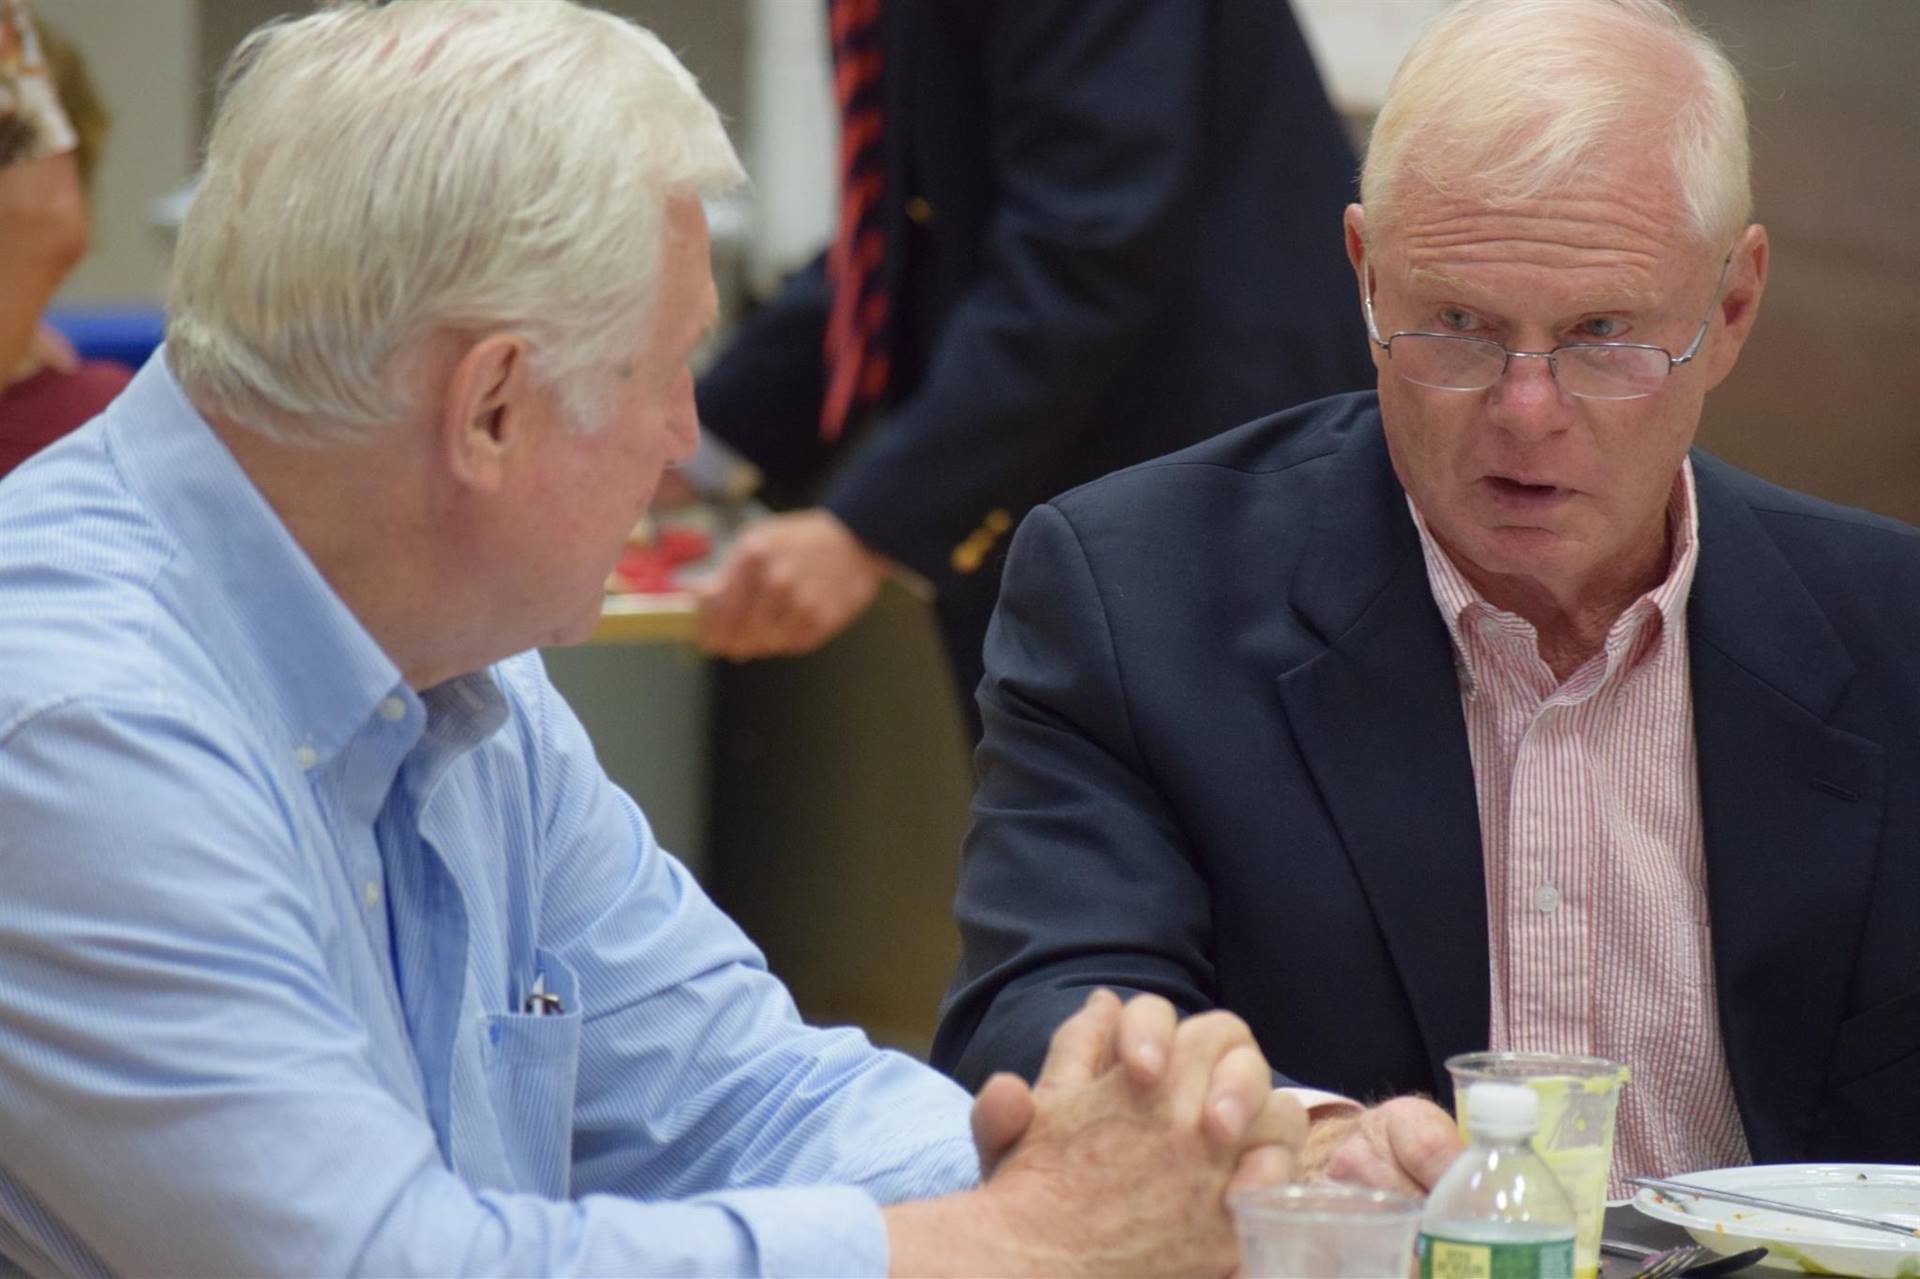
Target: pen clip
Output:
{"points": [[540, 1003]]}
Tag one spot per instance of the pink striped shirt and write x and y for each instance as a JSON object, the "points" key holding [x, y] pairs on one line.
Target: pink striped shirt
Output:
{"points": [[1596, 872]]}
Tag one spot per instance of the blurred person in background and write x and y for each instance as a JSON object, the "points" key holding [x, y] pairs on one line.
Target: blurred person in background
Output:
{"points": [[1482, 710], [47, 389], [1073, 236], [328, 947]]}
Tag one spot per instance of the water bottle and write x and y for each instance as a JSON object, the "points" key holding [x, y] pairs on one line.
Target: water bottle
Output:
{"points": [[1498, 1212]]}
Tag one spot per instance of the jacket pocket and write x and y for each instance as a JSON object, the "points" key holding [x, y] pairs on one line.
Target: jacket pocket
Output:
{"points": [[1875, 1039], [532, 1068]]}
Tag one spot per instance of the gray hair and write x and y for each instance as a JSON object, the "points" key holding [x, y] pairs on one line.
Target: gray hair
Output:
{"points": [[378, 176], [1523, 94]]}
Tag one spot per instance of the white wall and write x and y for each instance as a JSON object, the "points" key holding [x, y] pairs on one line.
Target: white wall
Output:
{"points": [[789, 138], [1358, 43]]}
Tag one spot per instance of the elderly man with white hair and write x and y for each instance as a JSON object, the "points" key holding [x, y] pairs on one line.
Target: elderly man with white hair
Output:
{"points": [[1482, 710], [327, 946]]}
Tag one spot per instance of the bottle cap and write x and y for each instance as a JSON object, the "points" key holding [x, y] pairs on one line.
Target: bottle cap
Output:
{"points": [[1502, 1110]]}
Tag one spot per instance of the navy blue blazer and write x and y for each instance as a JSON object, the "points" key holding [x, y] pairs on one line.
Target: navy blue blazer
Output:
{"points": [[1112, 229], [1225, 760]]}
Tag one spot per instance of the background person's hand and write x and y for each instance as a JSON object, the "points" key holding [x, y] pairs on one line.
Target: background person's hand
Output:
{"points": [[789, 584], [1403, 1145]]}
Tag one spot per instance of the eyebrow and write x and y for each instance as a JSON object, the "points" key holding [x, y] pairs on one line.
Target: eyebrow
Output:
{"points": [[1599, 302]]}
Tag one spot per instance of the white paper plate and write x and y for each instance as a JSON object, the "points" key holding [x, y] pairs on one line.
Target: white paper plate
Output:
{"points": [[1890, 1192]]}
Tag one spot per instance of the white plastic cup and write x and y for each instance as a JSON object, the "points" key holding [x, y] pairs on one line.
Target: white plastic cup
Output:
{"points": [[1579, 1097], [1324, 1231]]}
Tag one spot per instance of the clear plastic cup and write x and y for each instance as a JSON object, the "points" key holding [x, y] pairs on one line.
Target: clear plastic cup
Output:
{"points": [[1579, 1097], [1330, 1230]]}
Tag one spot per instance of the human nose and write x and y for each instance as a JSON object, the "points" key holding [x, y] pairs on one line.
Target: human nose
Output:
{"points": [[1528, 400]]}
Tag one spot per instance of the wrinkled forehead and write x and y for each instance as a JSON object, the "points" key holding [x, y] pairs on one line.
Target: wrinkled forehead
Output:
{"points": [[1616, 234]]}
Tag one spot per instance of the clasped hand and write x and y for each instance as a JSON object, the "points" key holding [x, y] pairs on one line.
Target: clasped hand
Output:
{"points": [[1118, 1160]]}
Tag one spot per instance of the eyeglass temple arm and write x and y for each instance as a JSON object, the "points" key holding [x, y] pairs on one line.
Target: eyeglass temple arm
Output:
{"points": [[1700, 334], [1366, 302]]}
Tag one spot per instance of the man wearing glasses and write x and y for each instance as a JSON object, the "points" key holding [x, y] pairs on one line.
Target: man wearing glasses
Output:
{"points": [[1481, 711]]}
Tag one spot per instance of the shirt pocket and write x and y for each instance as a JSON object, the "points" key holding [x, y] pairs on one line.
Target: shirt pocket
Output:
{"points": [[533, 1066]]}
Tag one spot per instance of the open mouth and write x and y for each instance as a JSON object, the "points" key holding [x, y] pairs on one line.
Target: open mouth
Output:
{"points": [[1517, 490]]}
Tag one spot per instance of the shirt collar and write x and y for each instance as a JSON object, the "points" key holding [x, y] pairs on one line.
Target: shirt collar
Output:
{"points": [[1457, 598], [318, 665]]}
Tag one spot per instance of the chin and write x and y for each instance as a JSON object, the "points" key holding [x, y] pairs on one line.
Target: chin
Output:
{"points": [[1515, 552], [576, 630]]}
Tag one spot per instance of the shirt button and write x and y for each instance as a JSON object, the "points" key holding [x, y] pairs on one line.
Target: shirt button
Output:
{"points": [[393, 710], [1546, 899], [371, 894], [306, 757]]}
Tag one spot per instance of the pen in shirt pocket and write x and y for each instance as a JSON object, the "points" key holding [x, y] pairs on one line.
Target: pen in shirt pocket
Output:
{"points": [[540, 1003]]}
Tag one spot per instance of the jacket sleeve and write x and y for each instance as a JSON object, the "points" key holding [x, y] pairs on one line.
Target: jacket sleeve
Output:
{"points": [[1095, 110], [1076, 873], [762, 394]]}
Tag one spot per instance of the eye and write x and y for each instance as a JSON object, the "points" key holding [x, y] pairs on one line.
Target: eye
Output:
{"points": [[1457, 320], [1603, 328]]}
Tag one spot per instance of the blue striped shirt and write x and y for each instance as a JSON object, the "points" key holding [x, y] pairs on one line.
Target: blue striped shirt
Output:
{"points": [[269, 921]]}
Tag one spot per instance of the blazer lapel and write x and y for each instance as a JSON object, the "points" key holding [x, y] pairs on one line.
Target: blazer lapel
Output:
{"points": [[1791, 809], [1376, 716]]}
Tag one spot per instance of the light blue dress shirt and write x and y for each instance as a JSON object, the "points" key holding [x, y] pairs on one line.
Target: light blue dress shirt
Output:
{"points": [[269, 920]]}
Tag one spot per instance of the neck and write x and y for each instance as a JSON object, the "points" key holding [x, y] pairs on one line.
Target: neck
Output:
{"points": [[356, 511], [1572, 618]]}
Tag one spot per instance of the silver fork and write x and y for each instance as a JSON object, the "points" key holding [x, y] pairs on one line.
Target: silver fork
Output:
{"points": [[1661, 1265]]}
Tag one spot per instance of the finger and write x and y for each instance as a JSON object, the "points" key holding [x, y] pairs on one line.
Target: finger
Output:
{"points": [[1281, 1121], [1083, 1045], [1359, 1162], [1001, 1115], [1264, 1166], [1422, 1139], [827, 613], [1148, 1024], [1199, 1045], [1238, 1094], [723, 600], [768, 617]]}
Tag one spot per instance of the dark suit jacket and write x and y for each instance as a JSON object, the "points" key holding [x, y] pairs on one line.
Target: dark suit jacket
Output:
{"points": [[1225, 760], [1113, 229]]}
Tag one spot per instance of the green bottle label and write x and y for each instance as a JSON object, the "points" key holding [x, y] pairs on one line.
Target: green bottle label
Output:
{"points": [[1442, 1258]]}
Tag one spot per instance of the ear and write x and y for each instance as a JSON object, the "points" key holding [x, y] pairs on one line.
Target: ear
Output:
{"points": [[486, 412], [1354, 223], [1739, 304]]}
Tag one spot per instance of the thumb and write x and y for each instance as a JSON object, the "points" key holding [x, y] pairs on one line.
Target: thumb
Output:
{"points": [[1001, 1115]]}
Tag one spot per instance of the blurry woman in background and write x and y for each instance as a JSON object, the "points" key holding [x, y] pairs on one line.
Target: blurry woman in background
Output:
{"points": [[52, 126]]}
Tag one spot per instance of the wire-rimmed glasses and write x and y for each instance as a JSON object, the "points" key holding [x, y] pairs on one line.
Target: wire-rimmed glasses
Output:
{"points": [[1586, 370]]}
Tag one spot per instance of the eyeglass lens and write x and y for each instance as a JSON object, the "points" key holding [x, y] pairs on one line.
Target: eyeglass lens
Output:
{"points": [[1473, 364]]}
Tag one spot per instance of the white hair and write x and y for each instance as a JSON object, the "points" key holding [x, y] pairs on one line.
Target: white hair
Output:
{"points": [[378, 176], [1518, 96]]}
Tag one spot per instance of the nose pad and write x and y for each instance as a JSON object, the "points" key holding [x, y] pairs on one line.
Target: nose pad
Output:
{"points": [[1528, 398]]}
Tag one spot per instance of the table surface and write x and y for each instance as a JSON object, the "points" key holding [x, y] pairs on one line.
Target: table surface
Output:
{"points": [[665, 618]]}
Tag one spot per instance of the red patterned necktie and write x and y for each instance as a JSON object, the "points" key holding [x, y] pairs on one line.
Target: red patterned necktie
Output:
{"points": [[856, 355]]}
